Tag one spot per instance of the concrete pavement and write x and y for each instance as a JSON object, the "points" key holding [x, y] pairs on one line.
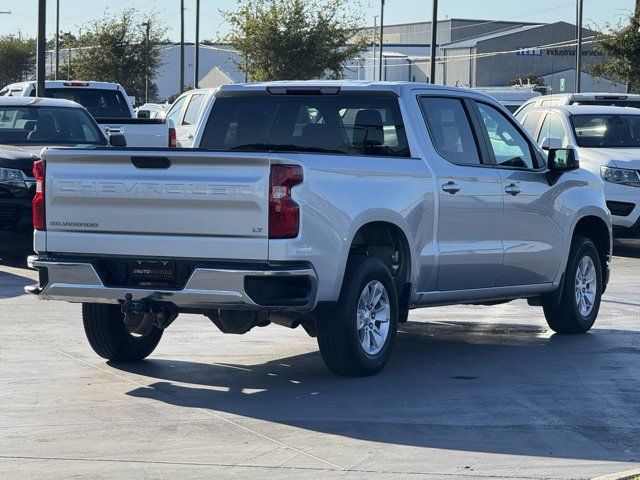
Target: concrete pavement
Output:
{"points": [[470, 392]]}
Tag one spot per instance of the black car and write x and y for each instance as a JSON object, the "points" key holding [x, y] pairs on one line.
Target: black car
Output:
{"points": [[27, 125], [17, 188]]}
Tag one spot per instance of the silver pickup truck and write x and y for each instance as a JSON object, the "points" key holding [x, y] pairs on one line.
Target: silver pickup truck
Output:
{"points": [[335, 206]]}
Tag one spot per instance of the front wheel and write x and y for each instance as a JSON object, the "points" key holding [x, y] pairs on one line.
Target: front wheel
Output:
{"points": [[109, 337], [581, 290], [356, 337]]}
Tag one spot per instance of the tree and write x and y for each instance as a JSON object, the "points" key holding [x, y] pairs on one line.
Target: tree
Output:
{"points": [[621, 47], [529, 78], [115, 49], [17, 59], [295, 39]]}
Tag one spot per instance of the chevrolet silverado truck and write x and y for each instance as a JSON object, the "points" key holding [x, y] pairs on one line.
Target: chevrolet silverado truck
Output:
{"points": [[110, 105], [334, 206]]}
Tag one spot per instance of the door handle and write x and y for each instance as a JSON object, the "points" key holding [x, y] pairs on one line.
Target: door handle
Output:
{"points": [[114, 130], [513, 189], [451, 187], [190, 136]]}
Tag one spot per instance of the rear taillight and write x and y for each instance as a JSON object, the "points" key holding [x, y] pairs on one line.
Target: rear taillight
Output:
{"points": [[173, 141], [39, 222], [284, 213]]}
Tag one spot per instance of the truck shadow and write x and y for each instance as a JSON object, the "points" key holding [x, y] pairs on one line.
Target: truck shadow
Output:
{"points": [[509, 389], [12, 285]]}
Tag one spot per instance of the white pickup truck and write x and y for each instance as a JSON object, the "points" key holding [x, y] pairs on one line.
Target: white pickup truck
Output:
{"points": [[109, 104], [337, 206]]}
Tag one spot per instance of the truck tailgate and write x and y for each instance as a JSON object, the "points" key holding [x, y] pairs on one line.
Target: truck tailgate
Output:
{"points": [[161, 203]]}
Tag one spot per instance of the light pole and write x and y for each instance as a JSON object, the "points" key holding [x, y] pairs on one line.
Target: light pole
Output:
{"points": [[181, 46], [147, 26], [196, 63], [42, 46], [57, 39], [381, 38], [434, 39], [375, 44], [578, 43]]}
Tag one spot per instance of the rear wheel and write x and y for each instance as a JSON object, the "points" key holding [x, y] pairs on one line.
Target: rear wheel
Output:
{"points": [[581, 290], [109, 337], [357, 337]]}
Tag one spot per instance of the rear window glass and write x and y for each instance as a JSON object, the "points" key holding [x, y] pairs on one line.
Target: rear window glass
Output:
{"points": [[347, 123], [100, 103], [48, 126]]}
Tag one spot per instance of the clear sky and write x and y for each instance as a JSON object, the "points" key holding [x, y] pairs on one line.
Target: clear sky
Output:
{"points": [[74, 13]]}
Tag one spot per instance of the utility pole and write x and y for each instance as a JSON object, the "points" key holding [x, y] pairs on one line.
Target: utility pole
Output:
{"points": [[147, 26], [381, 38], [434, 39], [196, 63], [375, 44], [181, 46], [57, 39], [42, 45], [578, 43]]}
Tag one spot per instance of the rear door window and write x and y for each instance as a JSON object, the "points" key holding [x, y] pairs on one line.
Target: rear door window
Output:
{"points": [[345, 123], [191, 115], [450, 130]]}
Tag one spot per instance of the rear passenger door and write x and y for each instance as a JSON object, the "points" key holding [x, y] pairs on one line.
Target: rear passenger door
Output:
{"points": [[470, 212], [532, 235]]}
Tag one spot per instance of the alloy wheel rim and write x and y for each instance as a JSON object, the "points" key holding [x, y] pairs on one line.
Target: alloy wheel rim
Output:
{"points": [[585, 285], [373, 316]]}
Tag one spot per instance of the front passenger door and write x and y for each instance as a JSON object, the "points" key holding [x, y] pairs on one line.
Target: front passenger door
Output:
{"points": [[532, 235]]}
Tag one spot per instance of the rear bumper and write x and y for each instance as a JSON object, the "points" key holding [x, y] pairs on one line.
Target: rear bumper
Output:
{"points": [[274, 289]]}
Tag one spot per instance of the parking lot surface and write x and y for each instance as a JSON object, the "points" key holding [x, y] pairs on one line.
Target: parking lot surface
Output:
{"points": [[470, 392]]}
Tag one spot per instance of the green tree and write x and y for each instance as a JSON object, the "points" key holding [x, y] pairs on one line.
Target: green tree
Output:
{"points": [[295, 39], [17, 59], [621, 47], [115, 49]]}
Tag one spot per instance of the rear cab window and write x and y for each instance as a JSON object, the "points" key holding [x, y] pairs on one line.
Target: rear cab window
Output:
{"points": [[101, 103], [346, 123]]}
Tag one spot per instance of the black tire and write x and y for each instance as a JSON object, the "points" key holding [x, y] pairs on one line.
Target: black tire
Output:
{"points": [[566, 317], [108, 335], [338, 336]]}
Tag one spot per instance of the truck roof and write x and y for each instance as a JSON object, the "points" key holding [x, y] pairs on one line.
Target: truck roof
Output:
{"points": [[37, 102], [70, 84], [353, 85]]}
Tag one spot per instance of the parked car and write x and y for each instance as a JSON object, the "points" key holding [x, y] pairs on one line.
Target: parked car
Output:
{"points": [[603, 99], [109, 105], [607, 140], [187, 111], [152, 110], [337, 206], [512, 98], [27, 125]]}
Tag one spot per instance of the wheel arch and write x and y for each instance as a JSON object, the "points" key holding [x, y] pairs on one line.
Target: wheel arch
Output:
{"points": [[598, 231]]}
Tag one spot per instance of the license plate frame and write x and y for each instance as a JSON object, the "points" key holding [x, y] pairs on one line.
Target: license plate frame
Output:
{"points": [[153, 273]]}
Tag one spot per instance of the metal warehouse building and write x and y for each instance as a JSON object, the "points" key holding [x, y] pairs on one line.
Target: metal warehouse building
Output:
{"points": [[484, 53]]}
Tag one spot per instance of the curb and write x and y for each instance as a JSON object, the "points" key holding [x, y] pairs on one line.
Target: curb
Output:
{"points": [[626, 475]]}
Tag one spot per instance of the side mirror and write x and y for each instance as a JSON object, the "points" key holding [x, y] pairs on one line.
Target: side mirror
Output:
{"points": [[559, 161], [562, 160], [551, 142], [117, 140]]}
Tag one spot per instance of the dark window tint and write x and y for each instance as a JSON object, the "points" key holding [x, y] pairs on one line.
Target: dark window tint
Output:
{"points": [[48, 126], [100, 103], [607, 131], [450, 130], [510, 148], [191, 115], [531, 122], [349, 124]]}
